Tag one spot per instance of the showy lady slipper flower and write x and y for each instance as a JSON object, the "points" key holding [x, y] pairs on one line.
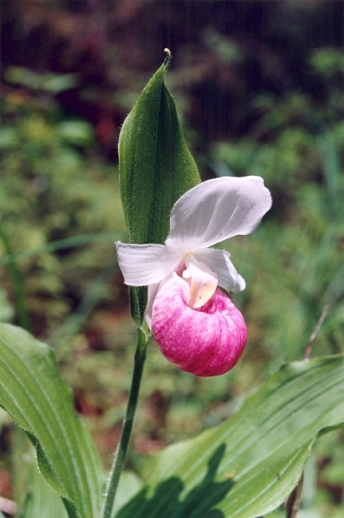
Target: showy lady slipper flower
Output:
{"points": [[195, 324]]}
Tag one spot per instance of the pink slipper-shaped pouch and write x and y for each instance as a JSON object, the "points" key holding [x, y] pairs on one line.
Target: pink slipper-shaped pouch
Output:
{"points": [[206, 341]]}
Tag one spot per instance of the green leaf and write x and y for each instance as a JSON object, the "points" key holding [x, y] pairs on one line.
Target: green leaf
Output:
{"points": [[54, 83], [76, 132], [37, 399], [155, 165], [155, 168], [129, 485], [247, 467], [41, 501]]}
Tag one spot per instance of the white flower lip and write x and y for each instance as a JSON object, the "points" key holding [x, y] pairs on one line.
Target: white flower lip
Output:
{"points": [[209, 213]]}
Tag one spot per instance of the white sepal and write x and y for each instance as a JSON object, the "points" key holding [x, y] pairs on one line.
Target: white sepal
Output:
{"points": [[142, 265]]}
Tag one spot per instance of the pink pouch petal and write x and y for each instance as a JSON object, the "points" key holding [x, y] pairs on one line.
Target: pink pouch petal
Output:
{"points": [[207, 341]]}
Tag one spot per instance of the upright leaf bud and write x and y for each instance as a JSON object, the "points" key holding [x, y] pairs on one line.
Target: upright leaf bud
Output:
{"points": [[155, 167]]}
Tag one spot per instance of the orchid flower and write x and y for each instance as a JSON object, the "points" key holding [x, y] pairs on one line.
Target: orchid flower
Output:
{"points": [[195, 324]]}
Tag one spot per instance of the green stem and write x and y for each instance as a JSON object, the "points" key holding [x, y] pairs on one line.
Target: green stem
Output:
{"points": [[128, 422]]}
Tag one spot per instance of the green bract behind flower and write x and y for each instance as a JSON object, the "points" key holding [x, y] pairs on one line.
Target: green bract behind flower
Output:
{"points": [[156, 167]]}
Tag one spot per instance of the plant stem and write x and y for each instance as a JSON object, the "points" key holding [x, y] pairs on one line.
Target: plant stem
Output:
{"points": [[128, 422]]}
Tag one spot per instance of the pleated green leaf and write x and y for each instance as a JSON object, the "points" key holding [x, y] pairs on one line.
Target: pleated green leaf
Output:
{"points": [[246, 467], [155, 165], [38, 400]]}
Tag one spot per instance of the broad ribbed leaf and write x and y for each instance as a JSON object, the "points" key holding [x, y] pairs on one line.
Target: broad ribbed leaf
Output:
{"points": [[155, 165], [37, 399], [246, 467]]}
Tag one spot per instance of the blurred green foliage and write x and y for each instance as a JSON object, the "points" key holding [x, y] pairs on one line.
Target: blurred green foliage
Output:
{"points": [[54, 188]]}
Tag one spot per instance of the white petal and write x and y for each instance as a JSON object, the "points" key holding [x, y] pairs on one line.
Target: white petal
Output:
{"points": [[219, 262], [142, 265], [216, 210]]}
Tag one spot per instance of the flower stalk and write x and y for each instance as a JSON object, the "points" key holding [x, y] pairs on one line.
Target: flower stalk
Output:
{"points": [[120, 455]]}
